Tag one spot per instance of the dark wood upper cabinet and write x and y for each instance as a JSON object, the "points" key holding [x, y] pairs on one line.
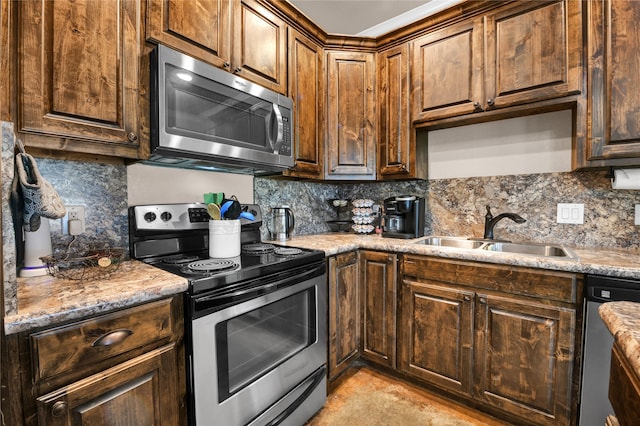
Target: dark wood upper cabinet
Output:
{"points": [[534, 52], [613, 93], [259, 46], [350, 147], [82, 77], [243, 37], [523, 52], [200, 28], [398, 155], [447, 71], [307, 89]]}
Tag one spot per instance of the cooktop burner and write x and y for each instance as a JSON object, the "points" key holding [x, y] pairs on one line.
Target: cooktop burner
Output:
{"points": [[287, 251], [180, 259], [258, 248], [211, 266]]}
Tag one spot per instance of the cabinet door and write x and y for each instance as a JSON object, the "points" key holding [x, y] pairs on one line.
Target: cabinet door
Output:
{"points": [[200, 28], [306, 88], [437, 334], [378, 288], [351, 146], [344, 312], [534, 52], [142, 391], [260, 46], [80, 71], [447, 71], [398, 154], [524, 358], [613, 46]]}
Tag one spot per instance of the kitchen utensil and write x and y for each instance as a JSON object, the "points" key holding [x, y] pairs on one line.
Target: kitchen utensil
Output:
{"points": [[247, 215], [230, 209], [214, 211], [282, 223], [214, 197]]}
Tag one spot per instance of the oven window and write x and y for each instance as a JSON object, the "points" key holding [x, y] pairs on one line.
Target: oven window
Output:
{"points": [[253, 343], [208, 110]]}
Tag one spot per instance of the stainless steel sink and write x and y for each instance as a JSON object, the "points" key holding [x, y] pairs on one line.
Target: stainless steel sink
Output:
{"points": [[531, 249], [451, 242], [546, 250]]}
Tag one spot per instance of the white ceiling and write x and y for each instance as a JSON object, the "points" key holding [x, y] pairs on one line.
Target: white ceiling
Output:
{"points": [[367, 17]]}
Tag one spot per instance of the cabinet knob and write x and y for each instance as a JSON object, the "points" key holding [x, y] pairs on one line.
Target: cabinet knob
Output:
{"points": [[237, 69], [403, 166], [491, 102], [132, 137], [477, 106], [482, 300], [59, 409], [466, 298], [226, 64]]}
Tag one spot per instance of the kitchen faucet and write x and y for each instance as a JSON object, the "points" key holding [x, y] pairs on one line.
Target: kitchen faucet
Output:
{"points": [[490, 221]]}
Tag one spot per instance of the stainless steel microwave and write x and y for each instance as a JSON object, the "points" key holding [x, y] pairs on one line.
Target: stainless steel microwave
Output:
{"points": [[205, 118]]}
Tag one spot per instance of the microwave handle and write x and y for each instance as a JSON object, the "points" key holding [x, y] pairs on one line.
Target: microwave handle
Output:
{"points": [[278, 137]]}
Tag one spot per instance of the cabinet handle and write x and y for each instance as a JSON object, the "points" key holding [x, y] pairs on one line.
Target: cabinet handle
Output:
{"points": [[132, 137], [491, 102], [112, 337], [59, 409], [226, 64]]}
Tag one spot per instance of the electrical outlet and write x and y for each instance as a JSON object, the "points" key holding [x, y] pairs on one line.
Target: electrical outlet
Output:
{"points": [[73, 223], [570, 213]]}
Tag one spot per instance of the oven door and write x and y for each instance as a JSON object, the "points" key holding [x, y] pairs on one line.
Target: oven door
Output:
{"points": [[262, 360]]}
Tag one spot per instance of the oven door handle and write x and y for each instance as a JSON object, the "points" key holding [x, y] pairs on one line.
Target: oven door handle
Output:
{"points": [[315, 379]]}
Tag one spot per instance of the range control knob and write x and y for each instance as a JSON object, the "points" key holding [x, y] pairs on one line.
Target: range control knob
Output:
{"points": [[149, 216], [166, 216]]}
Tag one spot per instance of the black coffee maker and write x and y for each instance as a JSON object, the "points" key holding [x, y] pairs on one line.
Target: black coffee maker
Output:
{"points": [[403, 217]]}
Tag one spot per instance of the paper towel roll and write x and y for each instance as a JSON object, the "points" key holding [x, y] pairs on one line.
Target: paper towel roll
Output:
{"points": [[626, 179]]}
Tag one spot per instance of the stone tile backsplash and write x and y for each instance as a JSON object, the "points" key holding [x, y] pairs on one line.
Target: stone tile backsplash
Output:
{"points": [[457, 206]]}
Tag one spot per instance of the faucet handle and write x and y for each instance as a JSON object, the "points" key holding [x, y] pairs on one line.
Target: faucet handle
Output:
{"points": [[489, 216]]}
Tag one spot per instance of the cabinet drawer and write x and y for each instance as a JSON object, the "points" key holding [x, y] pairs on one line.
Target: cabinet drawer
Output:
{"points": [[82, 344], [539, 283]]}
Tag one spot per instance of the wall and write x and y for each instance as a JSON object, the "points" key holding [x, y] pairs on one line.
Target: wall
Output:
{"points": [[157, 185]]}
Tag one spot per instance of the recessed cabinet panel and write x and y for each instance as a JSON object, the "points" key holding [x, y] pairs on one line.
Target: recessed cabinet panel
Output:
{"points": [[437, 336], [533, 52], [447, 71], [200, 28], [614, 81], [81, 76], [306, 88], [351, 144], [260, 46]]}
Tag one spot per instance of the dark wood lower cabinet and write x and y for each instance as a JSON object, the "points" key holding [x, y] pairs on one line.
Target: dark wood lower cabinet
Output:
{"points": [[624, 388], [344, 312], [503, 337], [524, 358], [140, 391], [378, 282], [437, 335]]}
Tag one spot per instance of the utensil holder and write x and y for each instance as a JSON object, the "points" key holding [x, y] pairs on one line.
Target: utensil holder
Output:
{"points": [[224, 238]]}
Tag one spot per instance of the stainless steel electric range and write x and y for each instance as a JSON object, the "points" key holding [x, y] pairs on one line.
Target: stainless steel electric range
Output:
{"points": [[255, 326]]}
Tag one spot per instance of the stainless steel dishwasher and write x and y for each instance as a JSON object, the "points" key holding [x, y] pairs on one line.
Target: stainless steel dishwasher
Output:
{"points": [[594, 395]]}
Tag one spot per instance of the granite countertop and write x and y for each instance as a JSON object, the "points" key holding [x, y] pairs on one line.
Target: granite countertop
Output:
{"points": [[623, 321], [46, 300], [610, 262]]}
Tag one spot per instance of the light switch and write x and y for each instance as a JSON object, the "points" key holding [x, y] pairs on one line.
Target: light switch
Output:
{"points": [[570, 213]]}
